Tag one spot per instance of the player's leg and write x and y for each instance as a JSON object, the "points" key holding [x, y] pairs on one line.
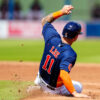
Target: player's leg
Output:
{"points": [[61, 90], [37, 80], [35, 86], [77, 86]]}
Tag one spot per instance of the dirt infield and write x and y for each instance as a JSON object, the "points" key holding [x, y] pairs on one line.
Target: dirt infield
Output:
{"points": [[87, 74]]}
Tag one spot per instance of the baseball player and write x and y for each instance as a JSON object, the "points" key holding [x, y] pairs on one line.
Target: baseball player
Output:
{"points": [[59, 58]]}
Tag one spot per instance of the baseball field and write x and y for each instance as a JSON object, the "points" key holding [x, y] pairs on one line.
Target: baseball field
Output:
{"points": [[19, 63]]}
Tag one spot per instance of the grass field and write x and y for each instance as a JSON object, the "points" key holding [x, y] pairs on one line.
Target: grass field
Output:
{"points": [[13, 90], [31, 50], [88, 51]]}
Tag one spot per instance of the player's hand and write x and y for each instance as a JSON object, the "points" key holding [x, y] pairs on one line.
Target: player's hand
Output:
{"points": [[67, 9], [80, 95]]}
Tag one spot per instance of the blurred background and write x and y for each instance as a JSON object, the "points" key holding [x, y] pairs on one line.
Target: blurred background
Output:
{"points": [[20, 18], [20, 22]]}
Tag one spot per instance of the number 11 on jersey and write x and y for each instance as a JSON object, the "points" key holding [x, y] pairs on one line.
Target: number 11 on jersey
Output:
{"points": [[46, 63]]}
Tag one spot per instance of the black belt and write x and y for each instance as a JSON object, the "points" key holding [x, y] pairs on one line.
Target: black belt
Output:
{"points": [[48, 86]]}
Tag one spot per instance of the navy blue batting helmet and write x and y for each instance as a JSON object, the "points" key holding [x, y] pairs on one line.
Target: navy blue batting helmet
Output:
{"points": [[71, 29]]}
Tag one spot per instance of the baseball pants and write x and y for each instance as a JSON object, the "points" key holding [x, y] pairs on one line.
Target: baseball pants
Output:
{"points": [[60, 90]]}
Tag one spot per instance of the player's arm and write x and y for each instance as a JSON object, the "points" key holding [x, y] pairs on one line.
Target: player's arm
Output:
{"points": [[67, 81], [64, 11], [68, 84]]}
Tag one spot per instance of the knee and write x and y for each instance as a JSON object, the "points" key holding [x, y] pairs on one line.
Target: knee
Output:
{"points": [[78, 86]]}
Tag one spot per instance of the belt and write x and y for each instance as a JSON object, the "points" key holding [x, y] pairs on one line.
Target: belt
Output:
{"points": [[50, 87], [47, 85]]}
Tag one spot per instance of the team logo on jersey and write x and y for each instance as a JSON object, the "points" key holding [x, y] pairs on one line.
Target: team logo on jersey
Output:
{"points": [[69, 67]]}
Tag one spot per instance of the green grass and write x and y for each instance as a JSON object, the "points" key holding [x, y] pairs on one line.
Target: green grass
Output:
{"points": [[17, 50], [13, 90], [88, 51], [31, 50]]}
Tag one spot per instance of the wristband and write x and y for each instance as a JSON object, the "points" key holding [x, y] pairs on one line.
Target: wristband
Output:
{"points": [[57, 14]]}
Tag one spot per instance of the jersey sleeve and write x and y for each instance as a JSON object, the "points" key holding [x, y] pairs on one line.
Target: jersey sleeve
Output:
{"points": [[67, 81], [49, 32], [67, 63]]}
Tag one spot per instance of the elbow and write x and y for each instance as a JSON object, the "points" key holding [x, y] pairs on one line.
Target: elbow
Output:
{"points": [[43, 21]]}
